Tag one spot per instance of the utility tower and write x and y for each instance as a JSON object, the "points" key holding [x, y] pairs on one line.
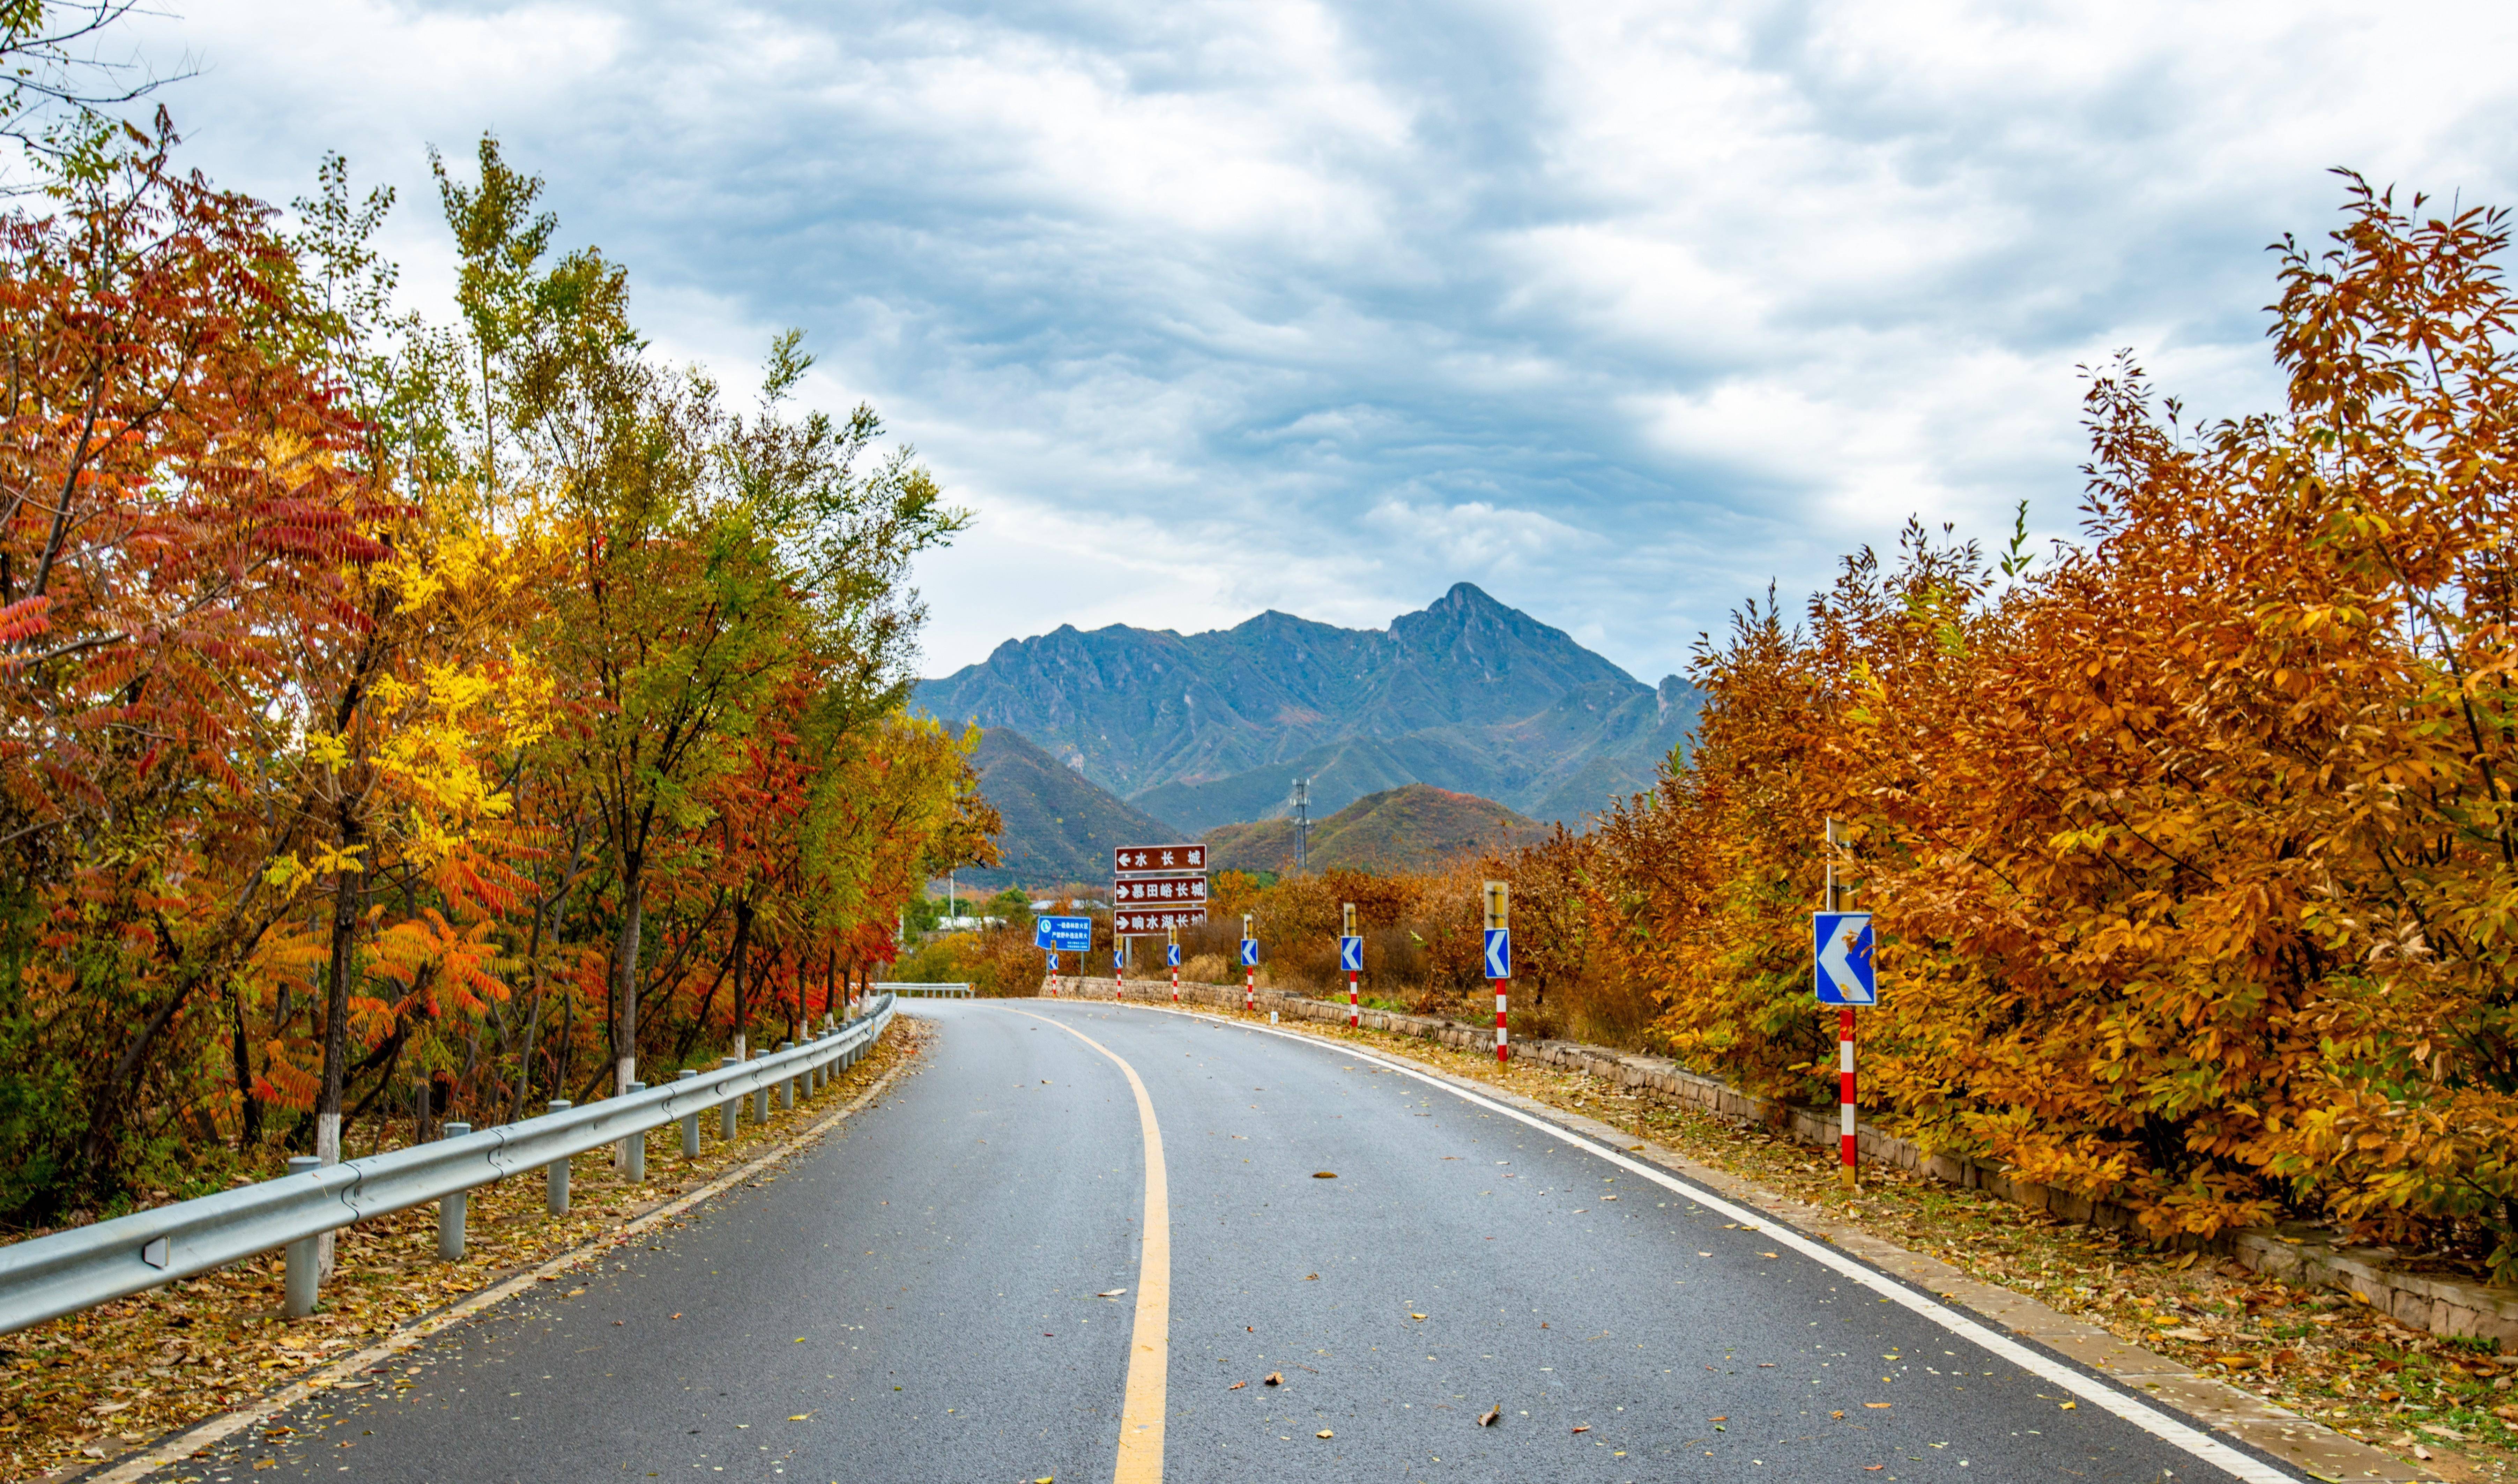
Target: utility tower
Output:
{"points": [[1301, 803]]}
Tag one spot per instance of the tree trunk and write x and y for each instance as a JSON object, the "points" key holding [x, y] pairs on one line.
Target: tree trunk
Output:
{"points": [[249, 1107], [742, 972], [625, 979], [346, 897]]}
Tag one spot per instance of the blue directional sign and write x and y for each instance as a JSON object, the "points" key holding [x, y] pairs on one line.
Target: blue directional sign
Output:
{"points": [[1250, 953], [1351, 954], [1171, 954], [1066, 934], [1499, 953], [1840, 948]]}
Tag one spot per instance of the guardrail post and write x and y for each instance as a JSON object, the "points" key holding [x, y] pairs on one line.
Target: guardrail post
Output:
{"points": [[297, 1284], [555, 1173], [449, 1209], [787, 1085], [734, 1105], [634, 1149], [813, 1075], [690, 1121], [760, 1104]]}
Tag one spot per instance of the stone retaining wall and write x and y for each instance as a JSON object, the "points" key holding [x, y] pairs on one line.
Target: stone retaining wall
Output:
{"points": [[2305, 1257]]}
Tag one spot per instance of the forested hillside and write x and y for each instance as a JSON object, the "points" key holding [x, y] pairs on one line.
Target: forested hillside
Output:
{"points": [[1417, 827]]}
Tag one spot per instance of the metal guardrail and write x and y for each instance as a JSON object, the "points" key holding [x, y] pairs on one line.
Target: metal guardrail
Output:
{"points": [[930, 991], [47, 1277]]}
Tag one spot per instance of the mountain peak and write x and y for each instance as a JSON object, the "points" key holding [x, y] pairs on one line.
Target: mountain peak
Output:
{"points": [[1467, 693]]}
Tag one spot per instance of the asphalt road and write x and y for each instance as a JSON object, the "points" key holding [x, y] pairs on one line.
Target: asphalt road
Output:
{"points": [[922, 1300]]}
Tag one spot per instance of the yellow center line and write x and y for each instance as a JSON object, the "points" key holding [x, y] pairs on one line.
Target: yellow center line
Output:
{"points": [[1141, 1410]]}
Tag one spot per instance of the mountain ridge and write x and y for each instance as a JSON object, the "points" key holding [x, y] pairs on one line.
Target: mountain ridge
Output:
{"points": [[1466, 694], [1415, 827]]}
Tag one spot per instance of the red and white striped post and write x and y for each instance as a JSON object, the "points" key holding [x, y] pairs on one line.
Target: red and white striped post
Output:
{"points": [[1844, 1093], [1848, 1143], [1353, 1005], [1174, 956], [1118, 970], [1053, 974], [1249, 975], [1499, 920]]}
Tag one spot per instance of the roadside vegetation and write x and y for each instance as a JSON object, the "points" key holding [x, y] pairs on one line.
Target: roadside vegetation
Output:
{"points": [[2190, 840], [412, 715]]}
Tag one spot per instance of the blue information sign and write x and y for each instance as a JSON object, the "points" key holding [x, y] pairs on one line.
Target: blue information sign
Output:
{"points": [[1171, 954], [1250, 953], [1499, 953], [1066, 934], [1351, 954], [1840, 951]]}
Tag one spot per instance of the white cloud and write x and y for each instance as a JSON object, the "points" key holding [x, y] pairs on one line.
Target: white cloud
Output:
{"points": [[1616, 309]]}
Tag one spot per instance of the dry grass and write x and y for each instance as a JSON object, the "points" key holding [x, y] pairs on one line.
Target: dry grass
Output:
{"points": [[2450, 1403], [91, 1385]]}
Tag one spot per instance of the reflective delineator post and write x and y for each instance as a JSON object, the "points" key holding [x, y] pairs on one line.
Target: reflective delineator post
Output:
{"points": [[1249, 972], [1499, 920], [1118, 972], [1053, 974], [1174, 956], [1353, 1006]]}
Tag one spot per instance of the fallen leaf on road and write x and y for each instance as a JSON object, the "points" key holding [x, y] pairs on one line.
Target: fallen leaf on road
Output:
{"points": [[1311, 1277], [1275, 1378], [1725, 1417], [1325, 1434], [1585, 1427], [1113, 1293], [800, 1417], [1770, 1254], [1236, 1385], [677, 1316], [1873, 1468], [2071, 1405], [1838, 1415], [800, 1340], [1324, 1174], [1877, 1405], [1608, 1197], [1494, 1416], [1416, 1316]]}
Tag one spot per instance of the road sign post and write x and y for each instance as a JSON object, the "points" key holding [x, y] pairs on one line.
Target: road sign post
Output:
{"points": [[1500, 956], [1062, 935], [1844, 975], [1118, 972], [1249, 967], [1351, 959]]}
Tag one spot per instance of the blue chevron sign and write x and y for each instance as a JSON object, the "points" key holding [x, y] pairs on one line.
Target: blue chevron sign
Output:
{"points": [[1840, 951]]}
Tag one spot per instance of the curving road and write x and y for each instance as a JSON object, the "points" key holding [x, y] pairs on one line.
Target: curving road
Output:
{"points": [[961, 1288]]}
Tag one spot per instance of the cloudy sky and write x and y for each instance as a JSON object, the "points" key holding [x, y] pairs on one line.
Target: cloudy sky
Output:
{"points": [[1618, 311]]}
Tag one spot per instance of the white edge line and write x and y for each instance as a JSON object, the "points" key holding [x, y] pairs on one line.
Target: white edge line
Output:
{"points": [[2142, 1415], [177, 1447]]}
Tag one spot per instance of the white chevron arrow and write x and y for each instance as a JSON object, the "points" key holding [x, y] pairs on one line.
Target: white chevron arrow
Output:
{"points": [[1836, 960]]}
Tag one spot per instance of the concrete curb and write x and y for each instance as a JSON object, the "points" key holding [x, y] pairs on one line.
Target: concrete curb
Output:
{"points": [[2303, 1256]]}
